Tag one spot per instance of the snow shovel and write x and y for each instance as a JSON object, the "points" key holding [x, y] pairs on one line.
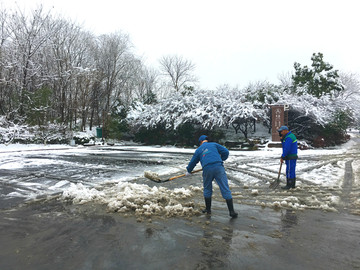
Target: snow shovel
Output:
{"points": [[276, 183], [155, 177]]}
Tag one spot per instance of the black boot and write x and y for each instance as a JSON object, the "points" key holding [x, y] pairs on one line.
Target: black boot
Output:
{"points": [[208, 206], [292, 182], [230, 205], [288, 185]]}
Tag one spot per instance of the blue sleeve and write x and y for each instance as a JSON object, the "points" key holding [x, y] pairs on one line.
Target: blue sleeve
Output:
{"points": [[195, 159], [287, 147], [224, 153]]}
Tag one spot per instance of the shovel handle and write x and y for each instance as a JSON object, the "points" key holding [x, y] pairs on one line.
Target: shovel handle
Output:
{"points": [[276, 183], [279, 171], [182, 175]]}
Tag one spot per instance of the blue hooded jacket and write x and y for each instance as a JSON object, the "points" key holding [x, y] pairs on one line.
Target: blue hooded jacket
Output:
{"points": [[209, 154], [289, 144]]}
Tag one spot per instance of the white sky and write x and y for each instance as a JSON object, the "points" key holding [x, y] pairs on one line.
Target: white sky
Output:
{"points": [[231, 42]]}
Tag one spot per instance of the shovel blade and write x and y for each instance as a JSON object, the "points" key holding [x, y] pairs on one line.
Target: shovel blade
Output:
{"points": [[275, 184]]}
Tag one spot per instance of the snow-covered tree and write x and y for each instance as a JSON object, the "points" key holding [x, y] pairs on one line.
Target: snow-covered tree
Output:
{"points": [[351, 94], [147, 86], [207, 109], [311, 116], [29, 36], [318, 80], [85, 74]]}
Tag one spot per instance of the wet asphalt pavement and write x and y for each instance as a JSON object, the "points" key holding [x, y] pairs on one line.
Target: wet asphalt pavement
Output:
{"points": [[53, 235], [49, 233]]}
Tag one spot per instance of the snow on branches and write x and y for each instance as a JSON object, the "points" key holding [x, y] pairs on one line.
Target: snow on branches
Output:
{"points": [[207, 108], [320, 109], [221, 108]]}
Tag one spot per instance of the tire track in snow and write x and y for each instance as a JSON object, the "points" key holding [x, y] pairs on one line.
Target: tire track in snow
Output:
{"points": [[347, 185]]}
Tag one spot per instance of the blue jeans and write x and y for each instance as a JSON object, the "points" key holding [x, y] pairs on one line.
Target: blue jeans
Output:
{"points": [[218, 173], [290, 168]]}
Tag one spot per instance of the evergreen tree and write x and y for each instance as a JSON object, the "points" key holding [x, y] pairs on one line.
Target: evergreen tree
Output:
{"points": [[318, 80]]}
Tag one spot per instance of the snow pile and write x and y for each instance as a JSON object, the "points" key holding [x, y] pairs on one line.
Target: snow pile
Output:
{"points": [[326, 203], [81, 194], [300, 199], [291, 202], [152, 175], [139, 199]]}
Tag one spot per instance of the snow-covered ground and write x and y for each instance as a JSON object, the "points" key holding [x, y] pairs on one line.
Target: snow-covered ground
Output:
{"points": [[327, 179]]}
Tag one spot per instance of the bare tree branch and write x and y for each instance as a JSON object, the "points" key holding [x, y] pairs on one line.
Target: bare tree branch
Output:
{"points": [[179, 70]]}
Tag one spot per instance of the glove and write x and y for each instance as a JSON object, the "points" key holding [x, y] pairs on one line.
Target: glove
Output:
{"points": [[187, 173]]}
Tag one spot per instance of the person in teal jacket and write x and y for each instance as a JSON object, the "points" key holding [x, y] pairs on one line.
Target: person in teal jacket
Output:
{"points": [[289, 155], [211, 156]]}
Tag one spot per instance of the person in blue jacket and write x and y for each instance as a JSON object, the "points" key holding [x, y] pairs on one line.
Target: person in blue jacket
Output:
{"points": [[289, 155], [211, 156]]}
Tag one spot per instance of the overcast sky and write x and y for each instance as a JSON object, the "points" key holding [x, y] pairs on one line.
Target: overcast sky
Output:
{"points": [[231, 42]]}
